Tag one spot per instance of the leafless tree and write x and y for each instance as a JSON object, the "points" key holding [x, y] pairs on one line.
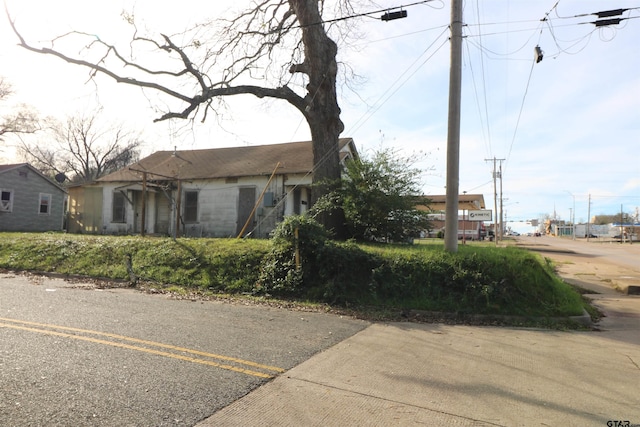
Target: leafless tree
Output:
{"points": [[82, 149], [283, 43], [22, 120]]}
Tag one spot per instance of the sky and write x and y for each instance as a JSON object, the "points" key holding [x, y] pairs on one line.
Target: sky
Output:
{"points": [[565, 130]]}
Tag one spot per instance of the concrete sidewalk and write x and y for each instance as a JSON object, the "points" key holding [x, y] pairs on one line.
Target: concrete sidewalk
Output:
{"points": [[405, 374], [408, 374]]}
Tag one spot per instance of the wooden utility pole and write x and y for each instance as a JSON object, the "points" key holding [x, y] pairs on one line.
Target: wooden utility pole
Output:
{"points": [[453, 135], [496, 175], [501, 205]]}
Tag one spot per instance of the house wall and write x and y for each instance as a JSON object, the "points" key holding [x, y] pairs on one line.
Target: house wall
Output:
{"points": [[303, 184], [219, 201], [85, 210], [27, 185], [133, 210], [218, 204]]}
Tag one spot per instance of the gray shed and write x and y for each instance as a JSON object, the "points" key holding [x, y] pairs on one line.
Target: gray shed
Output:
{"points": [[29, 201]]}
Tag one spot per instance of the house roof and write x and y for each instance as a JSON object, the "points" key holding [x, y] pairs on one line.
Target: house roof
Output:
{"points": [[7, 168], [294, 157], [465, 202]]}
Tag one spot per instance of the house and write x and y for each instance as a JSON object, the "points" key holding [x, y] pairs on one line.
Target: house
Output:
{"points": [[29, 201], [219, 192]]}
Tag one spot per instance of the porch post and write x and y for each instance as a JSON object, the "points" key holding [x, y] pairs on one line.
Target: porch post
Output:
{"points": [[178, 203], [143, 222]]}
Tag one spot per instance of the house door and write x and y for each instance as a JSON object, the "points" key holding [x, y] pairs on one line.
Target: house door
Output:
{"points": [[92, 210], [246, 202], [163, 209]]}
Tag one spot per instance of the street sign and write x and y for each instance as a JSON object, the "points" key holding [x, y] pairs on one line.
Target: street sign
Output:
{"points": [[484, 215]]}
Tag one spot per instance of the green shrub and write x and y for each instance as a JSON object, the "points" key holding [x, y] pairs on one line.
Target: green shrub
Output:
{"points": [[312, 266]]}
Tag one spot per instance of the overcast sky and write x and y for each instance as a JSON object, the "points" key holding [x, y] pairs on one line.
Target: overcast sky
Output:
{"points": [[567, 127]]}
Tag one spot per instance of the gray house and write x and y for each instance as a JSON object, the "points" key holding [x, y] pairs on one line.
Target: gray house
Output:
{"points": [[29, 201]]}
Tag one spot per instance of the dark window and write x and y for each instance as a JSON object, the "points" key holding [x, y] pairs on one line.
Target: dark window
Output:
{"points": [[190, 206], [119, 207], [6, 201], [45, 204]]}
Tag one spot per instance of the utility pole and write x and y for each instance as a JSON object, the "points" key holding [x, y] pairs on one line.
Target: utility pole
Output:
{"points": [[501, 209], [495, 197], [453, 135]]}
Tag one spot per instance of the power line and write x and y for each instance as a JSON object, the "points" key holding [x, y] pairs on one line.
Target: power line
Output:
{"points": [[368, 14], [398, 84]]}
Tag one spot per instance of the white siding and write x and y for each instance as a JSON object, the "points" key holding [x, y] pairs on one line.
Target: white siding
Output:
{"points": [[217, 206]]}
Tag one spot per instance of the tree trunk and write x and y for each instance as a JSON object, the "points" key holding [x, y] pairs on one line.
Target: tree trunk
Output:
{"points": [[321, 110]]}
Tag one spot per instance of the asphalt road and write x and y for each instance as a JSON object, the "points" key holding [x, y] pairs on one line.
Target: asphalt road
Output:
{"points": [[625, 255], [73, 355]]}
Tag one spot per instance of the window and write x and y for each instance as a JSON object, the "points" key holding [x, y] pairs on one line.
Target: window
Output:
{"points": [[6, 200], [190, 206], [45, 204], [119, 207]]}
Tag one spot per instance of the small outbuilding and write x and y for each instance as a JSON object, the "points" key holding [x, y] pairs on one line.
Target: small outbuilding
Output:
{"points": [[30, 201]]}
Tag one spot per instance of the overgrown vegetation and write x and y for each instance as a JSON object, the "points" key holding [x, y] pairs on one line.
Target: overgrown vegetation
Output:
{"points": [[307, 266], [479, 280], [378, 195]]}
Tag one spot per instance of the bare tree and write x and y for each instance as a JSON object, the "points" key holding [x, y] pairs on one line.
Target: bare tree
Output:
{"points": [[285, 39], [22, 120], [82, 149]]}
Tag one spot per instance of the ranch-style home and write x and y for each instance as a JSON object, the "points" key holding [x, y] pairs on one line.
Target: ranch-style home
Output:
{"points": [[29, 201], [220, 192]]}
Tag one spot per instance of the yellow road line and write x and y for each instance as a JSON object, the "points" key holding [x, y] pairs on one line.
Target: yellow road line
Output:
{"points": [[147, 350]]}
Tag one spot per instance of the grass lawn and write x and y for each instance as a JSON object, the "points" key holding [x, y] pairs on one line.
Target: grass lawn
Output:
{"points": [[479, 279]]}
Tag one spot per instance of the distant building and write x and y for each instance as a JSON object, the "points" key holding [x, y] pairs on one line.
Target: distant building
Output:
{"points": [[471, 230]]}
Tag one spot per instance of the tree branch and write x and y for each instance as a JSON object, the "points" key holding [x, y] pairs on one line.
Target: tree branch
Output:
{"points": [[284, 93]]}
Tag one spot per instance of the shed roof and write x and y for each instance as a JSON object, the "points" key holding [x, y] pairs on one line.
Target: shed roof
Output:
{"points": [[465, 202], [294, 157], [10, 167]]}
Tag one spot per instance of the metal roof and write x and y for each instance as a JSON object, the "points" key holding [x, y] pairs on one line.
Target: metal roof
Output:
{"points": [[465, 202]]}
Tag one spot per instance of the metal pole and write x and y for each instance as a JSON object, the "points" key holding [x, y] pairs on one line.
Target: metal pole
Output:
{"points": [[573, 220], [589, 219], [621, 226], [453, 136], [572, 215]]}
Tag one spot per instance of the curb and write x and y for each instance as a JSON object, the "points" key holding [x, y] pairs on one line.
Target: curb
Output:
{"points": [[584, 319]]}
